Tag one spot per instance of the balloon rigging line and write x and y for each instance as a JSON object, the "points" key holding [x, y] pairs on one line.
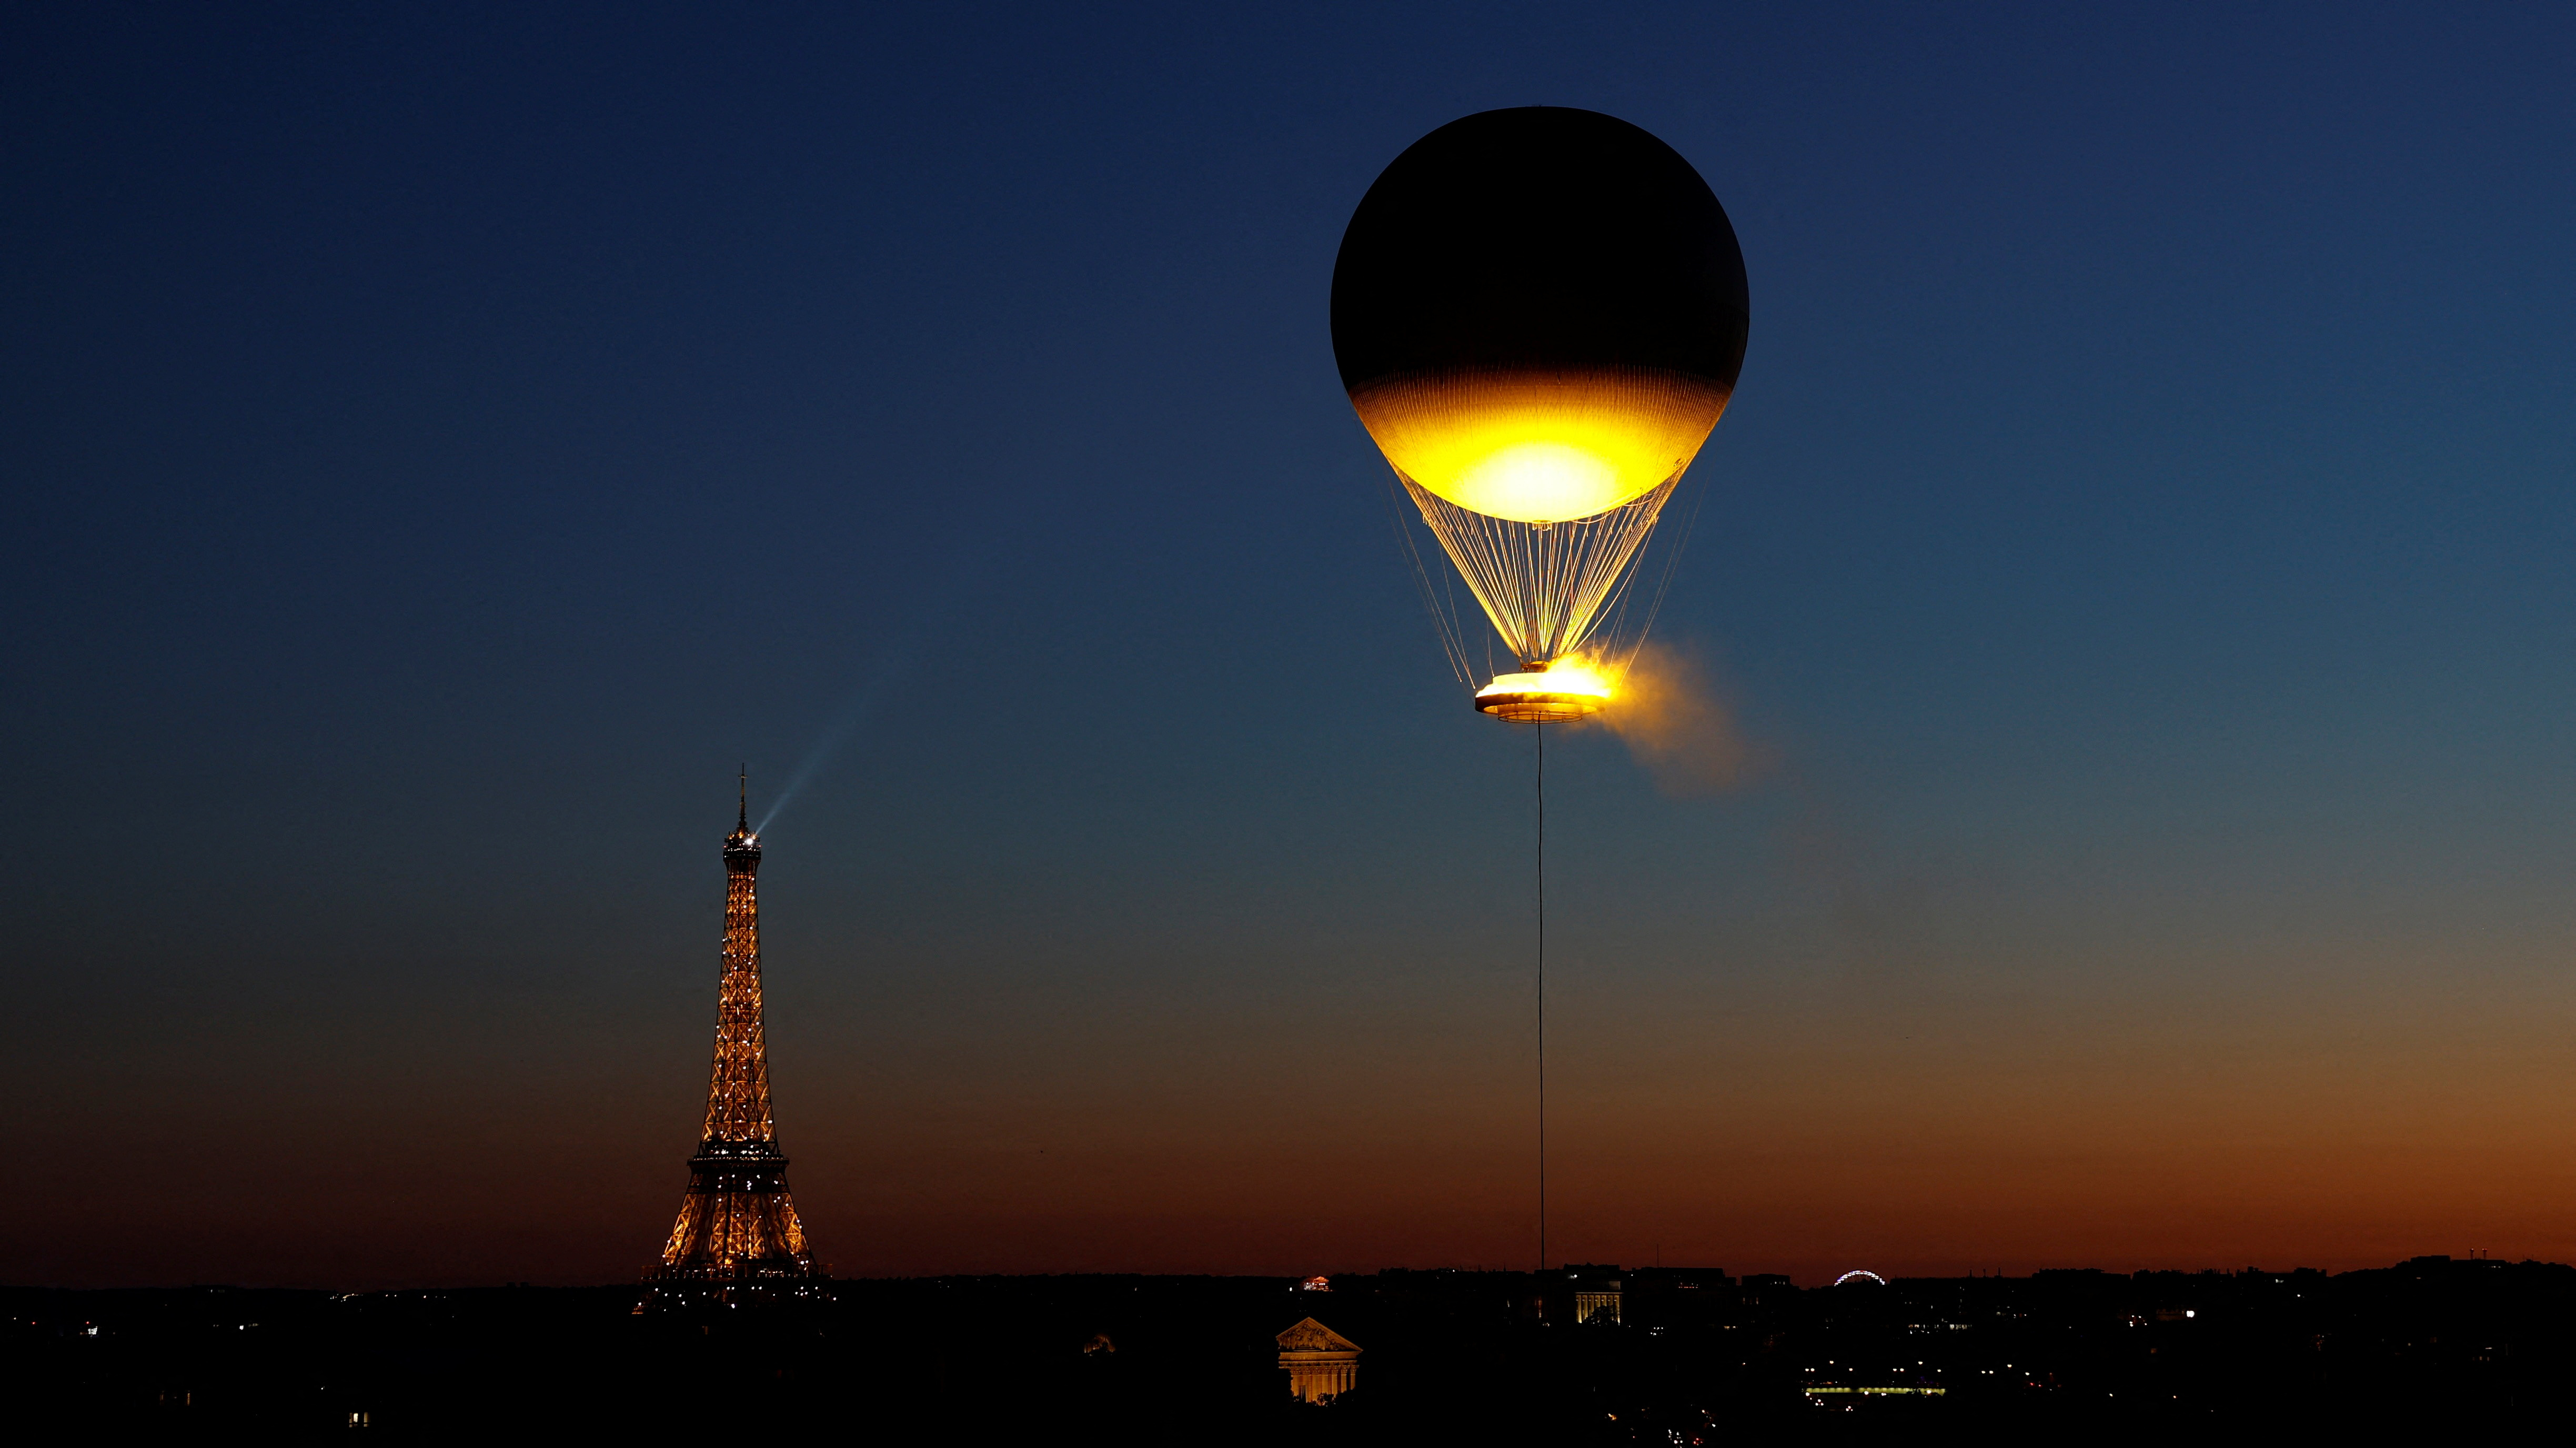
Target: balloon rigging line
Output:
{"points": [[1543, 585], [1449, 591], [1453, 646], [1611, 632], [1672, 564]]}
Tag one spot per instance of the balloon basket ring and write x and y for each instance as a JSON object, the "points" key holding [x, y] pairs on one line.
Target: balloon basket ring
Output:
{"points": [[1541, 698]]}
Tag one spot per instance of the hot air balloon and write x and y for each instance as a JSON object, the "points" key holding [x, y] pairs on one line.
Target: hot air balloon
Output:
{"points": [[1539, 315]]}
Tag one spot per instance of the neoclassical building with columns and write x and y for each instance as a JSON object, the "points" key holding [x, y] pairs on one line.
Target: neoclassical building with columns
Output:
{"points": [[1321, 1364]]}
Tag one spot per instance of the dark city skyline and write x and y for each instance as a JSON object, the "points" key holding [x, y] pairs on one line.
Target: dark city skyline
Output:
{"points": [[2124, 624]]}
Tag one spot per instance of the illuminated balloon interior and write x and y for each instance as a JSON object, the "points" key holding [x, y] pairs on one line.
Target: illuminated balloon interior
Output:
{"points": [[1541, 448]]}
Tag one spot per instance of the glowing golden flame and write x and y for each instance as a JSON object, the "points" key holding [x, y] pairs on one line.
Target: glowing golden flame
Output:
{"points": [[1550, 693]]}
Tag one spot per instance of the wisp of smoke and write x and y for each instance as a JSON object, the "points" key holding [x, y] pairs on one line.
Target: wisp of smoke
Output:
{"points": [[1667, 711]]}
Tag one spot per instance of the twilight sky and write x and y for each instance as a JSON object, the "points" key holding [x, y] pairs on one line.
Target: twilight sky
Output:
{"points": [[441, 441]]}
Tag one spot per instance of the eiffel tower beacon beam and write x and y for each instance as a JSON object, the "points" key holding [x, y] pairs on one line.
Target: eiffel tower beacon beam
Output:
{"points": [[737, 1235]]}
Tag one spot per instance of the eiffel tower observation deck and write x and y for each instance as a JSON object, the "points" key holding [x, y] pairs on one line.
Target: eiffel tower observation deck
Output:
{"points": [[737, 1235]]}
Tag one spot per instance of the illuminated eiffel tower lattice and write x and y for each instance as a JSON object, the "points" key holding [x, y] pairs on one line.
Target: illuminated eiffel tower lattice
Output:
{"points": [[737, 1229]]}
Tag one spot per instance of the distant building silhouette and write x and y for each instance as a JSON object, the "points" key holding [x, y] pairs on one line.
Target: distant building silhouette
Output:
{"points": [[1763, 1287]]}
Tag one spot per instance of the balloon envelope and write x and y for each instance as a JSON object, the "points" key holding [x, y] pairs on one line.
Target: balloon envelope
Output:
{"points": [[1539, 313]]}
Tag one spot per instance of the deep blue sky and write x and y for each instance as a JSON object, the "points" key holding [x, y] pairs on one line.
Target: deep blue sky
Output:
{"points": [[441, 442]]}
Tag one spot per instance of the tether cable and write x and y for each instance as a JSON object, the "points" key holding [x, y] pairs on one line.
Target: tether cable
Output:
{"points": [[1542, 996]]}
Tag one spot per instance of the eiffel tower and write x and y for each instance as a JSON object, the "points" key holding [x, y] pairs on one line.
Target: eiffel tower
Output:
{"points": [[737, 1235]]}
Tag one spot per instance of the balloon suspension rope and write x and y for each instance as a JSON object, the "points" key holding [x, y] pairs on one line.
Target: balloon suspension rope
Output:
{"points": [[1542, 996]]}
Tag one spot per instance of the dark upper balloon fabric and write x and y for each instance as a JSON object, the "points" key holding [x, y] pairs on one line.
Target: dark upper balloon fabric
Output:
{"points": [[1539, 309], [1541, 236]]}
